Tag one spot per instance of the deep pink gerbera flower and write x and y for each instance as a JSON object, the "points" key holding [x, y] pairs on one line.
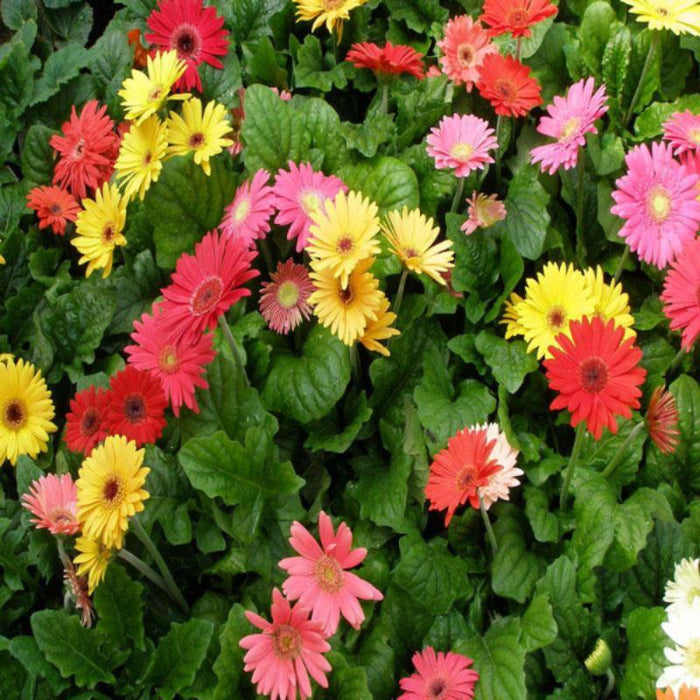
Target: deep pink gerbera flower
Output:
{"points": [[442, 676], [462, 142], [289, 650], [570, 119], [682, 131], [195, 32], [681, 295], [317, 578], [247, 218], [657, 198], [284, 301], [299, 192], [51, 499]]}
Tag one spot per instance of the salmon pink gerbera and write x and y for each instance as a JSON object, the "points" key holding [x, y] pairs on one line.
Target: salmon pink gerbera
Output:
{"points": [[441, 676], [318, 577], [681, 294], [52, 500], [682, 131], [54, 207], [284, 301], [515, 16], [483, 212], [464, 47], [508, 86], [247, 218], [289, 650], [85, 426], [387, 60]]}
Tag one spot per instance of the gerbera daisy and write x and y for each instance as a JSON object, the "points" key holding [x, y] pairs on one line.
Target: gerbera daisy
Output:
{"points": [[144, 94], [462, 142], [247, 218], [78, 589], [92, 560], [299, 192], [446, 676], [51, 499], [682, 131], [412, 239], [26, 411], [290, 649], [685, 586], [515, 16], [380, 329], [609, 301], [175, 359], [464, 47], [662, 420], [657, 199], [202, 134], [53, 206], [460, 470], [206, 284], [99, 227], [110, 490], [387, 60], [683, 628], [511, 317], [284, 301], [344, 232], [684, 693], [680, 16], [86, 147], [193, 31], [681, 294], [506, 478], [569, 119], [141, 156], [347, 311], [133, 38], [85, 427], [330, 12], [508, 86], [596, 373], [318, 578], [483, 211], [136, 406]]}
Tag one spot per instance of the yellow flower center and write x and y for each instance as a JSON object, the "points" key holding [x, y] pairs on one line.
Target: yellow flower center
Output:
{"points": [[310, 202], [112, 491], [14, 415], [556, 318], [692, 658], [571, 126], [287, 295], [167, 359], [345, 245], [462, 151], [694, 135], [329, 574], [286, 642], [658, 204], [693, 593], [242, 210]]}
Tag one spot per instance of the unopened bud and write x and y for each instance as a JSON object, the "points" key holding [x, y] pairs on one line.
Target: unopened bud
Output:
{"points": [[600, 659]]}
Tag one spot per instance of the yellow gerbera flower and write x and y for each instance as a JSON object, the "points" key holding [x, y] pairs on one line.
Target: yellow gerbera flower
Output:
{"points": [[344, 232], [141, 156], [109, 489], [610, 302], [99, 226], [93, 559], [558, 296], [680, 16], [511, 317], [202, 134], [2, 260], [379, 329], [411, 236], [347, 311], [143, 94], [26, 411], [332, 12]]}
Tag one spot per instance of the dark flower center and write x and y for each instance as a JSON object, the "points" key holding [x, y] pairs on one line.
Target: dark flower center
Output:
{"points": [[90, 422], [593, 373], [556, 318], [437, 688], [110, 489], [55, 209], [506, 89], [465, 478], [108, 233], [15, 415], [346, 295], [206, 296], [187, 42], [345, 244], [465, 54], [134, 408], [196, 140]]}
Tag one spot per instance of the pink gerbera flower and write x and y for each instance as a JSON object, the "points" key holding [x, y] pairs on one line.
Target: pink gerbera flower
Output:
{"points": [[657, 197], [290, 649], [284, 95], [483, 211], [176, 359], [446, 676], [195, 32], [299, 192], [570, 119], [318, 577], [464, 47], [506, 478], [462, 142], [247, 218], [681, 295], [52, 499], [284, 300], [682, 131]]}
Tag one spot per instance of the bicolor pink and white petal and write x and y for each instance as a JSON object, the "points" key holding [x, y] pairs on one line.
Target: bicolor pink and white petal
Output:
{"points": [[501, 482], [247, 218]]}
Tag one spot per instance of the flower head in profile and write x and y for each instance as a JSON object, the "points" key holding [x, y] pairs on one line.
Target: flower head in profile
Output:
{"points": [[380, 329], [657, 198], [508, 86], [443, 676], [683, 628], [289, 650], [318, 577], [85, 422], [247, 218], [483, 211], [464, 46], [502, 481], [332, 13], [133, 37], [609, 301], [284, 300], [662, 420], [515, 17], [51, 500], [568, 121], [196, 33], [680, 16], [511, 317], [78, 589], [684, 588], [682, 131], [92, 561], [54, 207], [388, 60], [681, 294], [597, 374]]}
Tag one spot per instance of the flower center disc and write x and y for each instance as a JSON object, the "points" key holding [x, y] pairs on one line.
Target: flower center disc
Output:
{"points": [[465, 55], [286, 642], [518, 17], [462, 151], [310, 202], [570, 128], [692, 658], [90, 422], [111, 491], [206, 296], [593, 373], [196, 140], [15, 414], [556, 318], [108, 233], [60, 515], [167, 360], [505, 89], [186, 41], [287, 295], [345, 245], [438, 688], [465, 478], [134, 408], [330, 5], [329, 574], [658, 204], [242, 210], [346, 296]]}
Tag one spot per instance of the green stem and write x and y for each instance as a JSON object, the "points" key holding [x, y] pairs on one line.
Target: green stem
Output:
{"points": [[573, 460], [676, 361], [621, 264], [645, 69], [489, 530], [610, 684], [518, 48], [385, 98], [458, 194], [622, 451], [355, 363], [267, 254], [223, 324], [399, 294], [580, 194], [144, 569]]}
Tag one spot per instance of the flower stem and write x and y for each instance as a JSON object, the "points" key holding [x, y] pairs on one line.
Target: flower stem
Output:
{"points": [[267, 255], [223, 324], [355, 363], [622, 451], [65, 561], [458, 194], [580, 197], [399, 294], [621, 264], [610, 684], [676, 361], [385, 98], [573, 460], [645, 69], [489, 530], [518, 48], [143, 568]]}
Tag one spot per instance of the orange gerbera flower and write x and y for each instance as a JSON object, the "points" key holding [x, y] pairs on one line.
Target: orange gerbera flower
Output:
{"points": [[54, 207], [515, 16]]}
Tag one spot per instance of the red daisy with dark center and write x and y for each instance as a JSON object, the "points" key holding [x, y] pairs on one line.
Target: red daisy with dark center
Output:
{"points": [[85, 427], [54, 207], [596, 373], [515, 16], [195, 32], [508, 86], [387, 60]]}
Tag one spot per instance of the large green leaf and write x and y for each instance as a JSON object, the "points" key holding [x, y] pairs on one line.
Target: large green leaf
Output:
{"points": [[538, 624], [596, 23], [387, 181], [229, 663], [645, 659], [336, 433], [249, 19], [346, 682], [61, 66], [119, 606], [27, 652], [37, 155], [509, 361], [314, 70]]}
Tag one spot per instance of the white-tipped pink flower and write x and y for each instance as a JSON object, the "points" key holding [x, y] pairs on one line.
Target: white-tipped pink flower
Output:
{"points": [[52, 499]]}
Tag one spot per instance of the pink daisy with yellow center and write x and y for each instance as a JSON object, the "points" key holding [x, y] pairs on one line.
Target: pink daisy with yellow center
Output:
{"points": [[483, 211], [284, 301], [682, 131], [51, 499], [247, 218], [441, 676]]}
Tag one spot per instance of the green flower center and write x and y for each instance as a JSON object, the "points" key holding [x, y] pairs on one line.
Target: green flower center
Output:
{"points": [[287, 295]]}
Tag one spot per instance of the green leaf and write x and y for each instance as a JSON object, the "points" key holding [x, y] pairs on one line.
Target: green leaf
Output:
{"points": [[27, 652], [37, 155], [544, 523], [421, 108], [322, 125], [336, 433], [229, 663], [221, 84], [649, 123], [596, 23], [687, 454], [652, 77], [419, 15], [509, 361], [366, 138], [476, 262], [538, 624], [346, 682], [136, 286], [16, 12], [645, 659], [61, 67], [250, 19], [314, 70], [615, 64], [387, 181]]}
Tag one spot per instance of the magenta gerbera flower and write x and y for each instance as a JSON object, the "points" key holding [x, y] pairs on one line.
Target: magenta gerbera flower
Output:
{"points": [[570, 119], [195, 32], [446, 676], [657, 199], [681, 295], [51, 499], [317, 578], [284, 301], [299, 192], [682, 131], [247, 218], [462, 142]]}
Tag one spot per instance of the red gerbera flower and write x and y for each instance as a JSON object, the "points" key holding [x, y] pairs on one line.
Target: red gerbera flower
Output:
{"points": [[508, 86], [195, 32], [85, 428], [596, 373], [662, 420], [460, 470], [87, 150], [387, 60], [681, 295], [136, 406], [515, 16], [54, 207]]}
